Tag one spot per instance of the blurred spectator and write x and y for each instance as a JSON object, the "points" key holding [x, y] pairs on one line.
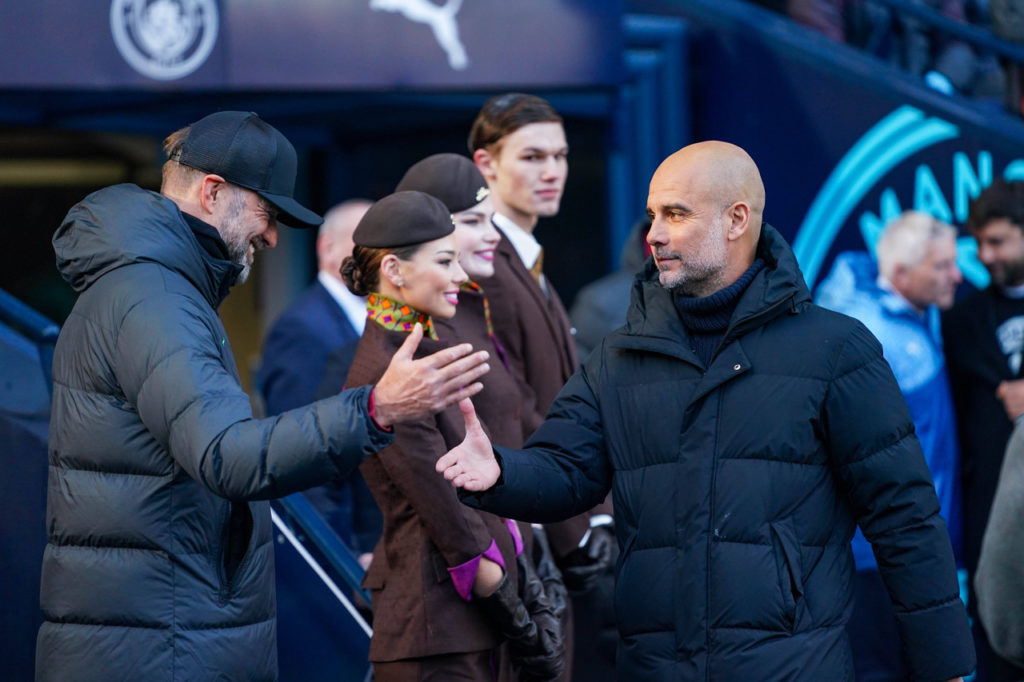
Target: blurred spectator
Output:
{"points": [[945, 63], [999, 582], [601, 306], [1008, 24], [324, 317], [984, 336], [899, 300], [824, 16]]}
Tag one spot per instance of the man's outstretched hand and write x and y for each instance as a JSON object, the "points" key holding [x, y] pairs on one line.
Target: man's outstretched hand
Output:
{"points": [[471, 464], [414, 389]]}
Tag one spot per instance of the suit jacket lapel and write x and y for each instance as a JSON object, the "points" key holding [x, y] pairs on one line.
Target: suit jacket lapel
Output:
{"points": [[555, 316]]}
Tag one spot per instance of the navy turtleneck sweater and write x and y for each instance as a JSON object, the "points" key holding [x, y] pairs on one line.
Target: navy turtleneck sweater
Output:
{"points": [[706, 319]]}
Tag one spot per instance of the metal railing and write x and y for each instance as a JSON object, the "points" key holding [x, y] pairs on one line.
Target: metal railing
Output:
{"points": [[35, 327]]}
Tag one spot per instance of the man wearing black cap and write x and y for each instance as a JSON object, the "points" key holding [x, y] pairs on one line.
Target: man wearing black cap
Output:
{"points": [[159, 564]]}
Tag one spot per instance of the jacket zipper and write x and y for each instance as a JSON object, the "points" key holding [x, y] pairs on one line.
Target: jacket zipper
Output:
{"points": [[710, 532]]}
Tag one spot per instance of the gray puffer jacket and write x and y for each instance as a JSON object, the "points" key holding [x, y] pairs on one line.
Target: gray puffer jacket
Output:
{"points": [[159, 564]]}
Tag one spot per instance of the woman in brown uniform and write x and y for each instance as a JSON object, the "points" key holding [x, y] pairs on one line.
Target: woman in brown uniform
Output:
{"points": [[455, 180], [444, 577]]}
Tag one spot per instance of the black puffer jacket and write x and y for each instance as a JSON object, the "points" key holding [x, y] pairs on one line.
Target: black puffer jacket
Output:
{"points": [[158, 567], [736, 489]]}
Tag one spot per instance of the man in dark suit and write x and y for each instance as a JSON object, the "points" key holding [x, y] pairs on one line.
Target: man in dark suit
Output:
{"points": [[519, 145], [327, 315]]}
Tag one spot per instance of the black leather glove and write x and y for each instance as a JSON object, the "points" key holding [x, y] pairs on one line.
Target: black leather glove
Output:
{"points": [[534, 643], [582, 566], [548, 573]]}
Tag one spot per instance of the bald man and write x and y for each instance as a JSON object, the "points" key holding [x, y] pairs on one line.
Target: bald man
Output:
{"points": [[325, 317], [744, 433]]}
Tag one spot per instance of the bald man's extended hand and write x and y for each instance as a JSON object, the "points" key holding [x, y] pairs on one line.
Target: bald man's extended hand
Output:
{"points": [[413, 389], [470, 465]]}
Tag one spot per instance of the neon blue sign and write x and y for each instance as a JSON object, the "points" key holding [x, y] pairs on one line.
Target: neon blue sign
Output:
{"points": [[893, 140]]}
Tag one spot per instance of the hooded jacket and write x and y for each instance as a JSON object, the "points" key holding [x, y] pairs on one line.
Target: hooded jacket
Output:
{"points": [[159, 562], [737, 487]]}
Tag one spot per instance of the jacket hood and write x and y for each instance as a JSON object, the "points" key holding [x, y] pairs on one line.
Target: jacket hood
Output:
{"points": [[125, 224], [780, 285]]}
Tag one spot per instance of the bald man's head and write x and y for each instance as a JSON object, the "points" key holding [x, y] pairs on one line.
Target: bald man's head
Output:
{"points": [[334, 240], [705, 204]]}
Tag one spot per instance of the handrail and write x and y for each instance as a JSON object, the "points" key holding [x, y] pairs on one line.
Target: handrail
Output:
{"points": [[35, 326], [971, 34], [334, 549]]}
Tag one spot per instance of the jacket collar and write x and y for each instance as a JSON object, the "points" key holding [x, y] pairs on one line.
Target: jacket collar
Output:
{"points": [[652, 322], [125, 224]]}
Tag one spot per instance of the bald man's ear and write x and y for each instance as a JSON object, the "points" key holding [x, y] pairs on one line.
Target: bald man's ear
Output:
{"points": [[738, 216], [323, 244]]}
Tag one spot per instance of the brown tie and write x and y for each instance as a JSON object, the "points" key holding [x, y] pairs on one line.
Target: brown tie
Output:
{"points": [[538, 266]]}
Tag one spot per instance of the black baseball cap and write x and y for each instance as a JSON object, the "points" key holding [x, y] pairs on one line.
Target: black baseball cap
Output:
{"points": [[403, 219], [249, 152], [452, 178]]}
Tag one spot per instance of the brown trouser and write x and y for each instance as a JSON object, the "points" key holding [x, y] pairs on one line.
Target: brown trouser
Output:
{"points": [[475, 666]]}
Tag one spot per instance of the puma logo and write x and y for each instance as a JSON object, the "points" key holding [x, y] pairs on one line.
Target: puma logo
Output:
{"points": [[440, 18]]}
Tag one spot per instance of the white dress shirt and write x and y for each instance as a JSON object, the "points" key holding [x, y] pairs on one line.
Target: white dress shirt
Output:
{"points": [[525, 244], [353, 306]]}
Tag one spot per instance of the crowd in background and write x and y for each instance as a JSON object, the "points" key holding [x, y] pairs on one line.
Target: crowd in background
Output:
{"points": [[946, 62]]}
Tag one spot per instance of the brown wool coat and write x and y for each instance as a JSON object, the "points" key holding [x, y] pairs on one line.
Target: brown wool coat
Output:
{"points": [[417, 611], [534, 330]]}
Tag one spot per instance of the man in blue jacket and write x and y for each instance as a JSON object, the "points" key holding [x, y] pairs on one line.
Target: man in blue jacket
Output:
{"points": [[744, 433], [898, 300], [159, 561]]}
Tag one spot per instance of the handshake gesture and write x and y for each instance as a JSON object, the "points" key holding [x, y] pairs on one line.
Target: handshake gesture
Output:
{"points": [[471, 464], [416, 388]]}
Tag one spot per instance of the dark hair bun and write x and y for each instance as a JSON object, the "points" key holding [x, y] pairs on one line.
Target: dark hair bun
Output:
{"points": [[352, 276]]}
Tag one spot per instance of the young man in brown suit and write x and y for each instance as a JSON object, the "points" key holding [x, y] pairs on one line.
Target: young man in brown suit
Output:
{"points": [[518, 143]]}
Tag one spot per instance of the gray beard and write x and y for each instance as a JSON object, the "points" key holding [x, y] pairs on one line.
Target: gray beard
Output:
{"points": [[703, 285], [234, 238]]}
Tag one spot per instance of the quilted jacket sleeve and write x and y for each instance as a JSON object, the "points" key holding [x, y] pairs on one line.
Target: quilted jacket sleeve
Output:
{"points": [[879, 464], [174, 369], [564, 469]]}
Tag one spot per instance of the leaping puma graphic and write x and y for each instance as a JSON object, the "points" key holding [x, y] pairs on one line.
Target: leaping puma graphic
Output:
{"points": [[441, 20]]}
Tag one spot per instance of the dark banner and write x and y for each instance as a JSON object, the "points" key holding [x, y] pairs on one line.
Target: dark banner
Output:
{"points": [[269, 44]]}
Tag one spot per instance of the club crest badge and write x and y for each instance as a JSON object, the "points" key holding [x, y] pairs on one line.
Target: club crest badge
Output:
{"points": [[164, 39]]}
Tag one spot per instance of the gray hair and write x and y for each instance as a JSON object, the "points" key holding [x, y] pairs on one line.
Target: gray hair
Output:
{"points": [[905, 240]]}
